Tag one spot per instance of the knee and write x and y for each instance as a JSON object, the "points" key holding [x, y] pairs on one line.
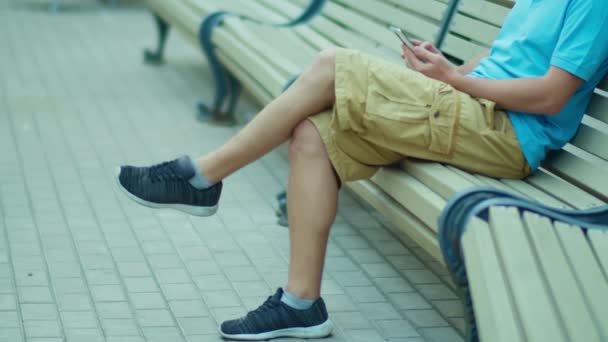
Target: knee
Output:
{"points": [[306, 142], [323, 67], [326, 60]]}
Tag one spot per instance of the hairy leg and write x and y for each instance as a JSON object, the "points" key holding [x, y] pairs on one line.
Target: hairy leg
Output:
{"points": [[310, 94], [312, 205]]}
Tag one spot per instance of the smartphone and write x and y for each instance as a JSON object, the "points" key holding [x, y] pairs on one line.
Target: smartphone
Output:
{"points": [[402, 37]]}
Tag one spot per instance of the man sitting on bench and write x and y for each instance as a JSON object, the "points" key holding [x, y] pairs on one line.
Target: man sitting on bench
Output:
{"points": [[349, 114]]}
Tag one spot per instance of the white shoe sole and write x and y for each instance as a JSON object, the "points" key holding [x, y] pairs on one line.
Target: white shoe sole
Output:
{"points": [[317, 331], [188, 209]]}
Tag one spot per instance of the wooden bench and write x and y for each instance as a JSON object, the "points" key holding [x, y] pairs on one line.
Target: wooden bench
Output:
{"points": [[532, 273], [263, 67], [414, 198], [412, 194]]}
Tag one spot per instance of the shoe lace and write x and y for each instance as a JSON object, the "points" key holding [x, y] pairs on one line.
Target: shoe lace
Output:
{"points": [[268, 305], [162, 171]]}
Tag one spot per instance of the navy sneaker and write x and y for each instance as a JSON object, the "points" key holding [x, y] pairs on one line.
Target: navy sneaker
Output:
{"points": [[167, 185], [276, 319]]}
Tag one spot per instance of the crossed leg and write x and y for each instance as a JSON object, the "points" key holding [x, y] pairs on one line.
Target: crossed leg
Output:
{"points": [[312, 201], [313, 187]]}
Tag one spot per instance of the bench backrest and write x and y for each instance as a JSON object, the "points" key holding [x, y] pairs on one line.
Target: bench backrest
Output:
{"points": [[584, 161], [474, 27]]}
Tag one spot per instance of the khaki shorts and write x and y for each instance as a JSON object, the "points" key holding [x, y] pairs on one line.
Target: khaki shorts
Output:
{"points": [[385, 112]]}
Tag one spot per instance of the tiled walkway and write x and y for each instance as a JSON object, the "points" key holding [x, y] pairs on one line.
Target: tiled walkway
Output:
{"points": [[80, 262]]}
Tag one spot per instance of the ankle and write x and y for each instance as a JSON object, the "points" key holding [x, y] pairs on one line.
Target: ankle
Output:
{"points": [[303, 293], [203, 166], [296, 302], [200, 180]]}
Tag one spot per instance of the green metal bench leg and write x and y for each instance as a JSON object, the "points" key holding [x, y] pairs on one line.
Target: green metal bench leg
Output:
{"points": [[282, 209], [156, 57], [446, 22]]}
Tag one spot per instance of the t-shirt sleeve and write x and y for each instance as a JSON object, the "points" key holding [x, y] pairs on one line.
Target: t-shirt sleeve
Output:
{"points": [[583, 43]]}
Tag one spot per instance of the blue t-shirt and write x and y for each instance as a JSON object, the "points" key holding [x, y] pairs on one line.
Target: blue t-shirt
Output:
{"points": [[569, 34]]}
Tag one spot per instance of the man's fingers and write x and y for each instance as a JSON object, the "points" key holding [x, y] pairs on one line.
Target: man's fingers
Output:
{"points": [[412, 61], [429, 47], [416, 42], [425, 55]]}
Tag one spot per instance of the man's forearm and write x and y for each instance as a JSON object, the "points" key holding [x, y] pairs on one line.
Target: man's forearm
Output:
{"points": [[522, 95]]}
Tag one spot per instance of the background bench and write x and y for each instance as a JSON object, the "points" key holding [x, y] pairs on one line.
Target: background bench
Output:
{"points": [[414, 194]]}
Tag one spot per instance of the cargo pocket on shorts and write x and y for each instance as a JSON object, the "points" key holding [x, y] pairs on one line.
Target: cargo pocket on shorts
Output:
{"points": [[444, 120], [425, 115]]}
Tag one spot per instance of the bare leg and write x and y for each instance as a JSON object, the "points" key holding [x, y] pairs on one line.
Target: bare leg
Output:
{"points": [[312, 93], [312, 205]]}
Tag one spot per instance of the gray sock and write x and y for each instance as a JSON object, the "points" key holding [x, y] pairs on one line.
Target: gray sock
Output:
{"points": [[199, 180], [296, 302]]}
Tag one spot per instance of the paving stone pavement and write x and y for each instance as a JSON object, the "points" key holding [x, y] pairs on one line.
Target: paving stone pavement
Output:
{"points": [[80, 262]]}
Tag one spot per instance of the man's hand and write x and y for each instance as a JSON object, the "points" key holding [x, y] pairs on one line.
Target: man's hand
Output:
{"points": [[528, 94], [428, 60]]}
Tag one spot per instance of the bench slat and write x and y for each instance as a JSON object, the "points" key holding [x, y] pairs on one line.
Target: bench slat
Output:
{"points": [[412, 194], [599, 241], [587, 270], [578, 171], [534, 193], [496, 316], [429, 8], [476, 30], [403, 221], [462, 49], [436, 176], [598, 107], [562, 190], [390, 14], [486, 10], [256, 89], [530, 294], [592, 141], [567, 295], [289, 10]]}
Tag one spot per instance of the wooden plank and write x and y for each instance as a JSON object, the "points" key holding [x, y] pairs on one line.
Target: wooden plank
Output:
{"points": [[437, 177], [598, 107], [516, 187], [254, 87], [564, 191], [590, 277], [486, 10], [258, 67], [473, 29], [403, 221], [462, 49], [289, 10], [178, 16], [413, 195], [429, 8], [386, 13], [599, 241], [561, 280], [592, 140], [534, 193], [530, 293], [583, 173], [496, 315]]}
